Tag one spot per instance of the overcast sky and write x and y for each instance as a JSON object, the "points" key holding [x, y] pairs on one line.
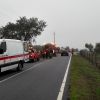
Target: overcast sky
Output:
{"points": [[75, 22]]}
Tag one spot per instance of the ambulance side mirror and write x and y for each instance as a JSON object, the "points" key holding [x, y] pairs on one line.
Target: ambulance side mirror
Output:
{"points": [[1, 51]]}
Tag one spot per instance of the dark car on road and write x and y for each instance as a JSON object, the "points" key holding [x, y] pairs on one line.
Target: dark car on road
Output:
{"points": [[64, 53]]}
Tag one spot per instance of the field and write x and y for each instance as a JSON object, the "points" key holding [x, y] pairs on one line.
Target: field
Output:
{"points": [[84, 80]]}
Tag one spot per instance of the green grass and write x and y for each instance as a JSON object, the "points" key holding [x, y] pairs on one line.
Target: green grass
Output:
{"points": [[84, 80]]}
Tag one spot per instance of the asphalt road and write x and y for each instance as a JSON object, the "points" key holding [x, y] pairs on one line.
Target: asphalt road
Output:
{"points": [[39, 80]]}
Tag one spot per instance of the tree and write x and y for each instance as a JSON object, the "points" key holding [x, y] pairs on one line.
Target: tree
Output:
{"points": [[9, 31], [38, 47], [89, 46], [86, 45], [97, 48], [24, 29], [67, 48], [62, 48], [1, 31]]}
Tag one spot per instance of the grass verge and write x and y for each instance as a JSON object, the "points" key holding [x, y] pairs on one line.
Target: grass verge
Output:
{"points": [[84, 80]]}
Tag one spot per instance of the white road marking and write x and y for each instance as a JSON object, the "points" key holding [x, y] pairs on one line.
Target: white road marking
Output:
{"points": [[23, 71], [64, 81]]}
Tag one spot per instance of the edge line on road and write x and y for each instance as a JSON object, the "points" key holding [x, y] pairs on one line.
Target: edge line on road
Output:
{"points": [[23, 71], [60, 95]]}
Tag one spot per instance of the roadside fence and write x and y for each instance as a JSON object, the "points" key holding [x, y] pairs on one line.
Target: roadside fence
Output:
{"points": [[92, 57]]}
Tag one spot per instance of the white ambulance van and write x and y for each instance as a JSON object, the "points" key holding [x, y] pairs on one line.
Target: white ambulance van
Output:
{"points": [[11, 54]]}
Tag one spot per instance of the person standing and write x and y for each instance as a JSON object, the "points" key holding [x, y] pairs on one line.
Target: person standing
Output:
{"points": [[50, 53], [43, 53], [47, 53]]}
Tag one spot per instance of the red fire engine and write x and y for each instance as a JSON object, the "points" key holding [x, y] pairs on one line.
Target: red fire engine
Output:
{"points": [[50, 46]]}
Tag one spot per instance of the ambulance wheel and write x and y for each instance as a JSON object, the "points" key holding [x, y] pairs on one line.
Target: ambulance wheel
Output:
{"points": [[20, 65]]}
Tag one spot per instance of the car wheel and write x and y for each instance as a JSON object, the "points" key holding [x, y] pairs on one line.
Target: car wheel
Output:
{"points": [[20, 65]]}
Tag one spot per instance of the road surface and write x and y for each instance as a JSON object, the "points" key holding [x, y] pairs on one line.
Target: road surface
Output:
{"points": [[41, 80]]}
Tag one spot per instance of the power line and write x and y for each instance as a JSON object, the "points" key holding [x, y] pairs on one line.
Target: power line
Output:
{"points": [[10, 9], [54, 37], [6, 15]]}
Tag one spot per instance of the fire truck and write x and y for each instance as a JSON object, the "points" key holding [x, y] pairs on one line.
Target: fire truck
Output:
{"points": [[51, 46]]}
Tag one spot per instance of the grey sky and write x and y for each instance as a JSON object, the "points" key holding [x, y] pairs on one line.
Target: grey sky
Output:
{"points": [[75, 22]]}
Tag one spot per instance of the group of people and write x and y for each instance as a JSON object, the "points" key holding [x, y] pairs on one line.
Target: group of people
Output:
{"points": [[48, 53]]}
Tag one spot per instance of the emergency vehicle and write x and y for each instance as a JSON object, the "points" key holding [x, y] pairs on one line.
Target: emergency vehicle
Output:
{"points": [[33, 54], [50, 46], [11, 54]]}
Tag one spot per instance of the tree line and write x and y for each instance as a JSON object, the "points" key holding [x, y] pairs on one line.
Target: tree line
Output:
{"points": [[91, 48]]}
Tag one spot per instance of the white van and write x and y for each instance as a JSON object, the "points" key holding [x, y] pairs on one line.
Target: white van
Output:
{"points": [[11, 54]]}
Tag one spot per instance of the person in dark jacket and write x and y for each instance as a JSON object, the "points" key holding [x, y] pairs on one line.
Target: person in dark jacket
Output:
{"points": [[50, 53]]}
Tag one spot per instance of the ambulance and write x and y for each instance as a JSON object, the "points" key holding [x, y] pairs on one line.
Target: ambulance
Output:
{"points": [[11, 54]]}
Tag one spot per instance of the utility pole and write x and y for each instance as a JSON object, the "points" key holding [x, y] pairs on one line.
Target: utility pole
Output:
{"points": [[54, 37]]}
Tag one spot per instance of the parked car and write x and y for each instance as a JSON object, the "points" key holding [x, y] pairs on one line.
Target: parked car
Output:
{"points": [[33, 55], [64, 53]]}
